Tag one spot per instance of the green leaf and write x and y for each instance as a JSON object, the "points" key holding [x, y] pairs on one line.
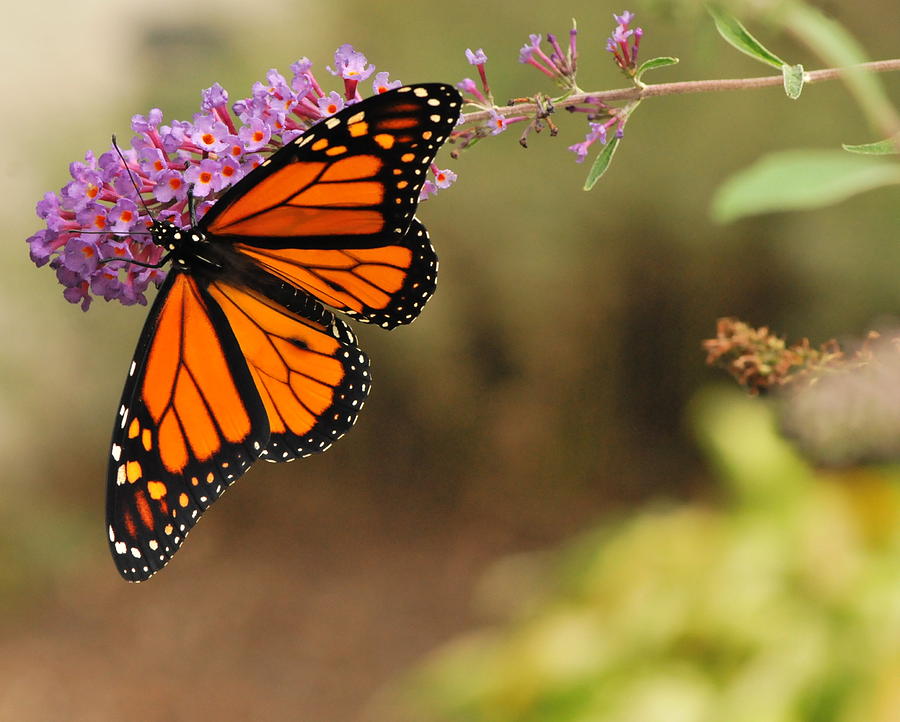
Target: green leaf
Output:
{"points": [[834, 44], [653, 64], [799, 180], [601, 163], [793, 80], [735, 34], [881, 147]]}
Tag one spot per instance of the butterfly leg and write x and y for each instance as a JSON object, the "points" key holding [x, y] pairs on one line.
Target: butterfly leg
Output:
{"points": [[159, 264]]}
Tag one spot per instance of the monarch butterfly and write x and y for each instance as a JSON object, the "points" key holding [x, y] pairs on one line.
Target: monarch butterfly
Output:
{"points": [[239, 359]]}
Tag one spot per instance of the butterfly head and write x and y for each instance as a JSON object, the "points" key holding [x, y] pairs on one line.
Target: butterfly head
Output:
{"points": [[180, 243], [167, 235]]}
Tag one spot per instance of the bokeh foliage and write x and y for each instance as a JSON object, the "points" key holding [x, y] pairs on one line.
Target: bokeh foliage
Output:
{"points": [[779, 602]]}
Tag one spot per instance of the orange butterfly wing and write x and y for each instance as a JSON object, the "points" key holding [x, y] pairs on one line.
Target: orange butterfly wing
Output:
{"points": [[309, 373], [332, 213], [189, 424], [223, 375], [386, 286]]}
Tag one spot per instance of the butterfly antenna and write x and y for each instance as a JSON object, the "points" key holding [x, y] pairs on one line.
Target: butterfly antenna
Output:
{"points": [[131, 177], [112, 233], [149, 214]]}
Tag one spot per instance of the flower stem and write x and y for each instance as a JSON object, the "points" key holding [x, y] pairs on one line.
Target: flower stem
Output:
{"points": [[681, 88]]}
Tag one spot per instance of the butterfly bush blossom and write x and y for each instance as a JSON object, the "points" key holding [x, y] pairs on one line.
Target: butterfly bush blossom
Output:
{"points": [[96, 237], [623, 44], [481, 98], [96, 232], [557, 61]]}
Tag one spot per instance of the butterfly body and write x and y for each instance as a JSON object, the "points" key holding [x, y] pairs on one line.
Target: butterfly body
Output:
{"points": [[242, 356]]}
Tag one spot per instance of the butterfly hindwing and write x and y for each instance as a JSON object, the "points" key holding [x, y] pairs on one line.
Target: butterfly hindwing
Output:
{"points": [[386, 286], [189, 424], [333, 212], [311, 376]]}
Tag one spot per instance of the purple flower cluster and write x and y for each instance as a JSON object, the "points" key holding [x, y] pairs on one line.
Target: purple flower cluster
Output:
{"points": [[625, 42], [602, 118], [96, 225]]}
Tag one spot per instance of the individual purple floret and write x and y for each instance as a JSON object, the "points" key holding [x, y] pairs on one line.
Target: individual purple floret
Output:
{"points": [[350, 65], [467, 86], [331, 103], [443, 178], [497, 123], [478, 58], [381, 83]]}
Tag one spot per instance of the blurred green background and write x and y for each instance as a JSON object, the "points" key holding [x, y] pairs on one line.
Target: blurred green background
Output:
{"points": [[553, 390]]}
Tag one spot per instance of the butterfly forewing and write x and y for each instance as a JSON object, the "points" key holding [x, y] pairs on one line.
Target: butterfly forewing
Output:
{"points": [[333, 212], [189, 424]]}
